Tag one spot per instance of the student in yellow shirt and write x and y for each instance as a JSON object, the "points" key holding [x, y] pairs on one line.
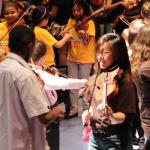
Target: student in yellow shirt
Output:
{"points": [[11, 14], [40, 20], [81, 54]]}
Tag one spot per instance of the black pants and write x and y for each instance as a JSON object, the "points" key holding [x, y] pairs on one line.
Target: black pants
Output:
{"points": [[52, 135]]}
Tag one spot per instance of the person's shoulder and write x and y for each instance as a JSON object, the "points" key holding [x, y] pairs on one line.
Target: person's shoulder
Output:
{"points": [[145, 68], [15, 70], [41, 33], [127, 82], [3, 24], [40, 30], [20, 70], [71, 21]]}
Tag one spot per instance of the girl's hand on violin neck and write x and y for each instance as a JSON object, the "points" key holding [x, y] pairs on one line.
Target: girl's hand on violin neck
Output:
{"points": [[104, 110], [67, 35], [127, 3], [86, 116]]}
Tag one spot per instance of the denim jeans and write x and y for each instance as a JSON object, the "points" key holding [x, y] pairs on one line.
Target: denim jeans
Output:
{"points": [[109, 142], [147, 143]]}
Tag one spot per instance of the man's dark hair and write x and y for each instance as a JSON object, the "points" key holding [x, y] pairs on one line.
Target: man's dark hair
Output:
{"points": [[19, 39]]}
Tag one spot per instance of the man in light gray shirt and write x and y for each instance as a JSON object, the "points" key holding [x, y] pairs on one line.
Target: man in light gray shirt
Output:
{"points": [[23, 110]]}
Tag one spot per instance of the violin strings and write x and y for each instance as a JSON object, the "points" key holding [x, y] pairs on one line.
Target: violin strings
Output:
{"points": [[125, 21]]}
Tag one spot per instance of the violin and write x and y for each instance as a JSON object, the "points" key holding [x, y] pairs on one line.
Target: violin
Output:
{"points": [[128, 7], [98, 12], [112, 83], [55, 72], [82, 25], [107, 87]]}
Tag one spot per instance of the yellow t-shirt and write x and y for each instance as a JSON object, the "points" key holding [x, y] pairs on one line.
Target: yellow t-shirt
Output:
{"points": [[3, 40], [79, 52], [44, 36]]}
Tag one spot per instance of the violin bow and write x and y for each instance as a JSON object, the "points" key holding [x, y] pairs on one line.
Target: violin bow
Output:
{"points": [[16, 23], [98, 11], [124, 20]]}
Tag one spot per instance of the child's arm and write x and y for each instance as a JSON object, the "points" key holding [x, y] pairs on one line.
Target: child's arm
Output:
{"points": [[61, 42]]}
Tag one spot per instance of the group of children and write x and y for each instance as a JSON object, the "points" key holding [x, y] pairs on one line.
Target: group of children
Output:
{"points": [[111, 53]]}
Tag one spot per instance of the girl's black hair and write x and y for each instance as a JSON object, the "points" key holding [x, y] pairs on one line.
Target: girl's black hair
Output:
{"points": [[81, 3], [39, 13], [119, 48]]}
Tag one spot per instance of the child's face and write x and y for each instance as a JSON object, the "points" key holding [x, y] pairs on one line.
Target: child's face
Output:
{"points": [[105, 56], [11, 14], [77, 11]]}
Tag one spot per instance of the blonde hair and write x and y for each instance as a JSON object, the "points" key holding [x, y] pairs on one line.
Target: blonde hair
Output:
{"points": [[141, 42], [145, 10], [141, 49]]}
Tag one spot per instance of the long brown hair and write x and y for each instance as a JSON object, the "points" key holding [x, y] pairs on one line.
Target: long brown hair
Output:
{"points": [[119, 48], [141, 43]]}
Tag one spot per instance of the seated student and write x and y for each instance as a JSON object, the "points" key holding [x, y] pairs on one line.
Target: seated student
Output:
{"points": [[52, 83], [110, 113]]}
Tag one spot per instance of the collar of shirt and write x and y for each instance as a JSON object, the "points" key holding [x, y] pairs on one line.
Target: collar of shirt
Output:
{"points": [[19, 59]]}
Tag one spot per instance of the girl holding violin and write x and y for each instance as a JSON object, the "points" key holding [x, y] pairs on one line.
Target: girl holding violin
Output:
{"points": [[40, 20], [111, 97], [81, 54], [11, 14]]}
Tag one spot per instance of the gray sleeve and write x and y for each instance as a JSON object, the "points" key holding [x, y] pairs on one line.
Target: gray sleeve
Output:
{"points": [[32, 96]]}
